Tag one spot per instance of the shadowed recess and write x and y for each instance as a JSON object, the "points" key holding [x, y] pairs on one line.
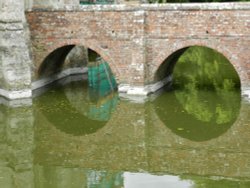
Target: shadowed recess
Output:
{"points": [[54, 61], [167, 67]]}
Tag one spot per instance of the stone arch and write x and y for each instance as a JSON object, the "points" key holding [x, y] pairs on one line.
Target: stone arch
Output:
{"points": [[175, 53], [68, 45], [177, 49]]}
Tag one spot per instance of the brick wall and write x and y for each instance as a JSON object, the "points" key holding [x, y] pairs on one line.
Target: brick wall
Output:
{"points": [[135, 40], [116, 36], [226, 31]]}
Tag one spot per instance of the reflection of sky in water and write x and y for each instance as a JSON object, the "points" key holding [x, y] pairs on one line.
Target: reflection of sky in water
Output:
{"points": [[143, 180], [65, 177], [51, 177]]}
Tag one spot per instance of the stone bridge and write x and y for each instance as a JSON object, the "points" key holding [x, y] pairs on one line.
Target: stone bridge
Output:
{"points": [[136, 40]]}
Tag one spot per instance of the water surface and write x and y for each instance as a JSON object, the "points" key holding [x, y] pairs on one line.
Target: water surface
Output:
{"points": [[177, 139]]}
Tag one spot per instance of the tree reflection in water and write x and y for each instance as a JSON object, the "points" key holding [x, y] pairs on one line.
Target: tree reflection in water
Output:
{"points": [[206, 96]]}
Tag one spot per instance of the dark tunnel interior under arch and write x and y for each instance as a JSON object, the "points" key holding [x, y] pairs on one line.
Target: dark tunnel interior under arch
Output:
{"points": [[69, 56], [167, 67], [52, 64]]}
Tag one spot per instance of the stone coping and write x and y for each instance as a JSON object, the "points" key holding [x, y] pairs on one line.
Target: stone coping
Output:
{"points": [[149, 7]]}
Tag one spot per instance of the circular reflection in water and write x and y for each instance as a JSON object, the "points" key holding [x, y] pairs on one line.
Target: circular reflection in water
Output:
{"points": [[206, 100], [198, 115], [73, 109]]}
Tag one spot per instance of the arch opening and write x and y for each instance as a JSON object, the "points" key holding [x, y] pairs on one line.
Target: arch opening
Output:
{"points": [[167, 66], [73, 59], [82, 100], [204, 99], [204, 67], [53, 63]]}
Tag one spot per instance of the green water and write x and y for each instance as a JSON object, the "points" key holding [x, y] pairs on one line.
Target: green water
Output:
{"points": [[178, 139], [191, 136]]}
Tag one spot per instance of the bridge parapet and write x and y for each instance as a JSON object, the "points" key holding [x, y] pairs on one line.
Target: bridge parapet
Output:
{"points": [[147, 7]]}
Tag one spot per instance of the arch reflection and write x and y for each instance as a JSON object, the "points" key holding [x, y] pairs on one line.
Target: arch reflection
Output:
{"points": [[72, 108], [205, 97], [85, 105], [198, 115]]}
